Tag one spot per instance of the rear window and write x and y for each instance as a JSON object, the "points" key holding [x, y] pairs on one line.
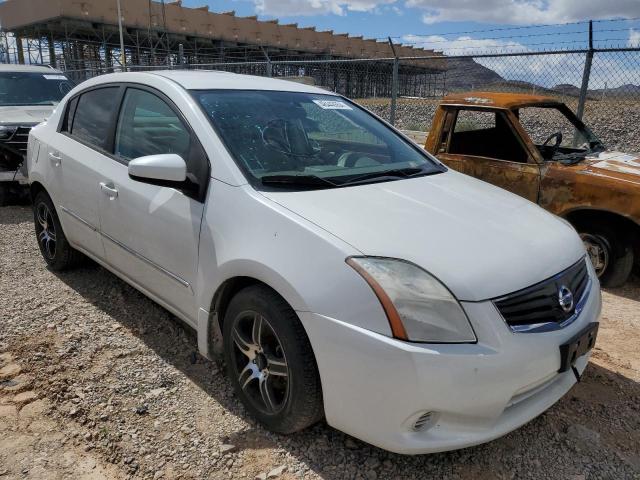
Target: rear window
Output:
{"points": [[93, 116]]}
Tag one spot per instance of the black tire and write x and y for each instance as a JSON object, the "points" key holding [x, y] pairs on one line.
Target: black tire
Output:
{"points": [[299, 404], [619, 252], [56, 250]]}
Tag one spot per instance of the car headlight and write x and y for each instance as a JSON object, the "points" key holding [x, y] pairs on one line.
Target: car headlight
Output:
{"points": [[419, 307]]}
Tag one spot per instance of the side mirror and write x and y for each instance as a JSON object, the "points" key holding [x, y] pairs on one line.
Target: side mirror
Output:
{"points": [[167, 167]]}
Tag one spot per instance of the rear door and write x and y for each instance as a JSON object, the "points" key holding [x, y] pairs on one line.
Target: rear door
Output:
{"points": [[77, 153], [483, 144], [151, 232]]}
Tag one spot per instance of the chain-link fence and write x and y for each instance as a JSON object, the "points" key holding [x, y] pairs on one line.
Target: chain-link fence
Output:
{"points": [[602, 84]]}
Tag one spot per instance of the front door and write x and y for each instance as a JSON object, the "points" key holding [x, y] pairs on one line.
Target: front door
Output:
{"points": [[151, 232], [483, 144]]}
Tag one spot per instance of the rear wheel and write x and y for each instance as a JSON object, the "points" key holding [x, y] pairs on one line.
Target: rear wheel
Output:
{"points": [[611, 253], [52, 241], [270, 362]]}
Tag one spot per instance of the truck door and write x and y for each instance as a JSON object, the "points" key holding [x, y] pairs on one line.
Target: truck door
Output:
{"points": [[482, 143]]}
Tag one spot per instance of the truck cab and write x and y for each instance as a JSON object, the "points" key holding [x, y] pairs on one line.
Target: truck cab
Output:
{"points": [[536, 147]]}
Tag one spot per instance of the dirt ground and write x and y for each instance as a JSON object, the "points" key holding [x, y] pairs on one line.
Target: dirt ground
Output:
{"points": [[98, 382]]}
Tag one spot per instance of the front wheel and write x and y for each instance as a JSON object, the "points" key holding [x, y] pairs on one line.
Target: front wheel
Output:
{"points": [[610, 252], [270, 361]]}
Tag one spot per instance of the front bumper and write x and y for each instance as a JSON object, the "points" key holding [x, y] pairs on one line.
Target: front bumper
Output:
{"points": [[376, 387]]}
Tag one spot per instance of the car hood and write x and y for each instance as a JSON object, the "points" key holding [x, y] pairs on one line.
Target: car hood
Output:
{"points": [[612, 163], [28, 115], [480, 241]]}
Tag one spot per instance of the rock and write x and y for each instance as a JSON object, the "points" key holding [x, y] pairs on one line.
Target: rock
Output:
{"points": [[33, 409], [261, 476], [24, 397], [371, 475], [227, 448], [583, 436], [372, 462], [141, 409], [350, 444], [276, 472], [10, 370]]}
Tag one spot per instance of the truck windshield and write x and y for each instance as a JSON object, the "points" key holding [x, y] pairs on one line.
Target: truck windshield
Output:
{"points": [[303, 140], [29, 88], [558, 133]]}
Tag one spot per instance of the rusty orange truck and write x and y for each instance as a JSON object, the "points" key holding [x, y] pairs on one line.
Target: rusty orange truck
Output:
{"points": [[536, 147]]}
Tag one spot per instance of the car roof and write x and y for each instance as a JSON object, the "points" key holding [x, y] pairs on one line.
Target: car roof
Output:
{"points": [[12, 67], [214, 79], [509, 101]]}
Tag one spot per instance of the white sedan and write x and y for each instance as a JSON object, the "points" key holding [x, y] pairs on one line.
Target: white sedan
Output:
{"points": [[343, 272]]}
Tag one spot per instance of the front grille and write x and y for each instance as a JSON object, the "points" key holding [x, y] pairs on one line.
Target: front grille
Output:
{"points": [[540, 304], [18, 141]]}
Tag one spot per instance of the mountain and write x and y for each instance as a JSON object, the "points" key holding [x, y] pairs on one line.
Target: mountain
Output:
{"points": [[467, 74]]}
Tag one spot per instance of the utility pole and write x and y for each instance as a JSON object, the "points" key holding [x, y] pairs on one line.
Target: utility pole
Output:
{"points": [[123, 59]]}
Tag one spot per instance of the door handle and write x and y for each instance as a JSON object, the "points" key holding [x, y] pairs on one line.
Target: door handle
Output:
{"points": [[55, 158], [109, 190]]}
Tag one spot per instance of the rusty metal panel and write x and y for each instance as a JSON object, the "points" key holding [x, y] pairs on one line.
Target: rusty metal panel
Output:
{"points": [[590, 184], [497, 100]]}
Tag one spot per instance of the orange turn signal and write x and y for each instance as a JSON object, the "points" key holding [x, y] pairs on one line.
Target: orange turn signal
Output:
{"points": [[397, 328]]}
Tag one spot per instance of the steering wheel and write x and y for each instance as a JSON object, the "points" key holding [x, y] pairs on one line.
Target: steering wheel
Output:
{"points": [[556, 145]]}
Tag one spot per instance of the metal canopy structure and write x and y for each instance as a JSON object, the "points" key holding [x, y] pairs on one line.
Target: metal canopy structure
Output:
{"points": [[83, 36]]}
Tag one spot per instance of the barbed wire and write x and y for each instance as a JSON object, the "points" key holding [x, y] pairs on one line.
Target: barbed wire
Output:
{"points": [[523, 27]]}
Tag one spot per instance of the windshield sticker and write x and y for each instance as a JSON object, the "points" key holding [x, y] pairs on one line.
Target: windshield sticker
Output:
{"points": [[55, 77], [332, 105]]}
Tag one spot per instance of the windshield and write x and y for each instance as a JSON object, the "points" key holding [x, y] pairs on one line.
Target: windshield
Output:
{"points": [[288, 138], [28, 88], [558, 133]]}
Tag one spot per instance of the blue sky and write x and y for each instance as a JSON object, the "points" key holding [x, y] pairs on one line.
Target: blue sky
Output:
{"points": [[433, 23], [463, 27]]}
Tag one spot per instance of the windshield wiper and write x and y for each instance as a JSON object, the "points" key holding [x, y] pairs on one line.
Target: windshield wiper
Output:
{"points": [[406, 172], [297, 180]]}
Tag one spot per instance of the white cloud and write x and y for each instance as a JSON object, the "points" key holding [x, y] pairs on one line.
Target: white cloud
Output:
{"points": [[634, 38], [462, 45], [317, 7], [524, 11], [611, 69]]}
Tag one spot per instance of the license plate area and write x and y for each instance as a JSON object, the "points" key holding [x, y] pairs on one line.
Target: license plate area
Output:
{"points": [[578, 346]]}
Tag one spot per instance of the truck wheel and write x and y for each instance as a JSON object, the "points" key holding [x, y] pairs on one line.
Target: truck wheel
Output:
{"points": [[270, 362], [53, 244], [611, 253]]}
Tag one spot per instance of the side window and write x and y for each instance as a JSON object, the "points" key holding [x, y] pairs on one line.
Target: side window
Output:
{"points": [[148, 126], [486, 134], [68, 117], [93, 114]]}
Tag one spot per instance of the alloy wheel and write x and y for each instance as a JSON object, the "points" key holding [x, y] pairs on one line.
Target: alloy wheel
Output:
{"points": [[260, 363], [46, 230], [598, 249]]}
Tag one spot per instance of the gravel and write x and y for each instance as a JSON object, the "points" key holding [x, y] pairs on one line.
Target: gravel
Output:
{"points": [[96, 381], [613, 122]]}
